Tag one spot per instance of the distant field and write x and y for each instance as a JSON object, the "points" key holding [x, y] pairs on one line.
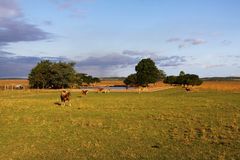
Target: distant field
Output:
{"points": [[170, 124], [152, 87], [207, 85], [221, 85], [13, 82]]}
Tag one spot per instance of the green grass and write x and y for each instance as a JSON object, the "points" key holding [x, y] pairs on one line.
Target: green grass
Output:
{"points": [[170, 124]]}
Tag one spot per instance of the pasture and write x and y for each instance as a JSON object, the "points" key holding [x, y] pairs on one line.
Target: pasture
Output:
{"points": [[168, 124]]}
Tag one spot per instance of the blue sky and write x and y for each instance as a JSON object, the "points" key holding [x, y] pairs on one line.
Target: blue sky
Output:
{"points": [[108, 38]]}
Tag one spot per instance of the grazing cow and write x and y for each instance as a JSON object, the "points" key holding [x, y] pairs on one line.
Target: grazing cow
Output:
{"points": [[106, 91], [187, 89], [100, 90], [84, 92], [140, 89], [19, 86], [65, 97]]}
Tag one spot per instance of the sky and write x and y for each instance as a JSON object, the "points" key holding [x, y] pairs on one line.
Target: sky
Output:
{"points": [[109, 37]]}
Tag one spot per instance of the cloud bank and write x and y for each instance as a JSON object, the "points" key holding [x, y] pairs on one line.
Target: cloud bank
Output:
{"points": [[112, 64], [115, 63], [12, 66], [13, 27]]}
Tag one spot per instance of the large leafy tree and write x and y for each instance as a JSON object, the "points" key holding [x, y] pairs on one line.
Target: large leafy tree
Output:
{"points": [[39, 76], [147, 72], [48, 74], [63, 75]]}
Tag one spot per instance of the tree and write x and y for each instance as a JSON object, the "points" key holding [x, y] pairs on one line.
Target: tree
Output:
{"points": [[79, 79], [180, 80], [170, 80], [47, 74], [131, 80], [182, 73], [63, 75], [147, 72], [162, 75], [192, 79], [39, 75], [184, 79], [84, 78], [96, 80]]}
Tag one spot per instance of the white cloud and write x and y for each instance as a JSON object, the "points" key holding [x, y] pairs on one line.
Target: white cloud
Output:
{"points": [[195, 41], [183, 43], [9, 9]]}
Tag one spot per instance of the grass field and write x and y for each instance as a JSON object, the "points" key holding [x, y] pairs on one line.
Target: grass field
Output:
{"points": [[170, 124]]}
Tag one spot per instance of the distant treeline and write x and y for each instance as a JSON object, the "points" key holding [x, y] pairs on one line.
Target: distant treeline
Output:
{"points": [[13, 78], [112, 78], [204, 79], [221, 79]]}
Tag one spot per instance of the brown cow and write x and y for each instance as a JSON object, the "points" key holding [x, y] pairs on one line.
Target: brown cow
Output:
{"points": [[84, 92], [100, 90], [187, 89], [106, 91], [65, 97]]}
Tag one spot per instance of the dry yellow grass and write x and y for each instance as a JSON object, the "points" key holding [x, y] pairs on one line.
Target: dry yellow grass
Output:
{"points": [[110, 83], [11, 84], [14, 82], [221, 85], [212, 85]]}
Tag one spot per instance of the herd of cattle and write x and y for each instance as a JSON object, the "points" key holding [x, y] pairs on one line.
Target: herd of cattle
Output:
{"points": [[65, 95]]}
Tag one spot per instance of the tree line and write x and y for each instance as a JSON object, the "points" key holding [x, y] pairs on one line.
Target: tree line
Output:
{"points": [[47, 74], [147, 72], [183, 79]]}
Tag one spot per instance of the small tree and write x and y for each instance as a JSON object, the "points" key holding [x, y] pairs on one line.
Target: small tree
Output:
{"points": [[170, 80], [131, 80], [180, 80], [162, 75], [182, 73], [183, 79], [96, 80], [192, 79], [84, 78]]}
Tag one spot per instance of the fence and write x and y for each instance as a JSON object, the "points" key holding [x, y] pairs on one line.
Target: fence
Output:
{"points": [[13, 87]]}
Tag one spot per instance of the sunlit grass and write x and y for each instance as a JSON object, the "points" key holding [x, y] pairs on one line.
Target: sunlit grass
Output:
{"points": [[170, 124]]}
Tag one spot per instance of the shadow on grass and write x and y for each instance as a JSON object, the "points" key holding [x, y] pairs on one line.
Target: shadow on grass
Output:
{"points": [[57, 103]]}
